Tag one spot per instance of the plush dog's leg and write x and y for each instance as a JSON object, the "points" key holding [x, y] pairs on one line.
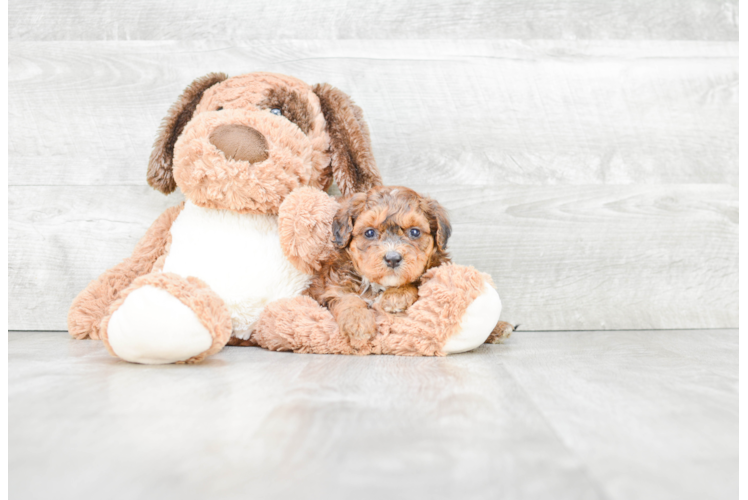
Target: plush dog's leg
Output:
{"points": [[456, 311], [304, 226], [301, 325], [91, 305], [164, 318]]}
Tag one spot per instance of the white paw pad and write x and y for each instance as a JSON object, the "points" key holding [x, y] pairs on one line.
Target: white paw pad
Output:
{"points": [[154, 327], [478, 322]]}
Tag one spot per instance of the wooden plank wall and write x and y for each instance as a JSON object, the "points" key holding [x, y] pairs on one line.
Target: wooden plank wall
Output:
{"points": [[587, 151]]}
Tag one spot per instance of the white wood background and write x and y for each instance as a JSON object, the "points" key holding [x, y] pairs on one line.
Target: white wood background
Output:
{"points": [[587, 151]]}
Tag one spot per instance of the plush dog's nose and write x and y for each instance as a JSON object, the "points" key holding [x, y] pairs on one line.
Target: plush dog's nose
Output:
{"points": [[240, 142], [393, 259]]}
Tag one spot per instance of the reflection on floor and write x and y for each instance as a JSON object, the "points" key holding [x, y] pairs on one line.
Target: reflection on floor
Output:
{"points": [[614, 415]]}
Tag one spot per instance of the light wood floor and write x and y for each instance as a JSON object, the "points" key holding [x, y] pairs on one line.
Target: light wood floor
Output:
{"points": [[577, 415]]}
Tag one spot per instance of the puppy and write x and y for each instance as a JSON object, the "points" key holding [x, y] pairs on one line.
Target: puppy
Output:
{"points": [[385, 240]]}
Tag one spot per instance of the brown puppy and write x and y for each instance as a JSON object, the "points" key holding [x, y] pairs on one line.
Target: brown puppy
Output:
{"points": [[386, 239]]}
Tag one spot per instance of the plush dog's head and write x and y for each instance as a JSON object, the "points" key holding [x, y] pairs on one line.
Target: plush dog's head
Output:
{"points": [[392, 234], [244, 143]]}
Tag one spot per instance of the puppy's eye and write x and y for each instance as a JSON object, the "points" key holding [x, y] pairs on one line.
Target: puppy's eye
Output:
{"points": [[219, 108], [415, 233], [276, 112], [370, 233]]}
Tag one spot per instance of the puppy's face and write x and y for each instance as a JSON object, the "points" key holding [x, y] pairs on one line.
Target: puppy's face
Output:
{"points": [[392, 234]]}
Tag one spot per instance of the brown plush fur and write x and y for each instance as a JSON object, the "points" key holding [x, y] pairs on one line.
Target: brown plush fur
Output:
{"points": [[293, 105], [317, 136], [352, 159], [263, 92], [444, 296], [91, 305], [160, 165], [210, 179], [225, 147], [192, 292], [368, 228], [300, 152], [301, 325], [304, 223]]}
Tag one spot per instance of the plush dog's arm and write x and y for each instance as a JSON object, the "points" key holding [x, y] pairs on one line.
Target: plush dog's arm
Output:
{"points": [[305, 228], [91, 305], [456, 311]]}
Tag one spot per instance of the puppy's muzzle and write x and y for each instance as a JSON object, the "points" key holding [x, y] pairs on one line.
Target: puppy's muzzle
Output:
{"points": [[393, 259], [239, 142]]}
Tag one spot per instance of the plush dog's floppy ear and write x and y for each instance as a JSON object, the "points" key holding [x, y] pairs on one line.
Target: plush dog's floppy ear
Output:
{"points": [[342, 225], [439, 224], [353, 165], [162, 157]]}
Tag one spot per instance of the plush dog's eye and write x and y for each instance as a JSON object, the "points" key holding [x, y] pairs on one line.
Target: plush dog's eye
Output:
{"points": [[415, 233], [276, 112], [370, 233]]}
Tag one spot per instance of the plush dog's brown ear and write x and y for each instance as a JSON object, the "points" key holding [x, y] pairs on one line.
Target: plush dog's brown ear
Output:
{"points": [[342, 225], [353, 165], [162, 157], [439, 224]]}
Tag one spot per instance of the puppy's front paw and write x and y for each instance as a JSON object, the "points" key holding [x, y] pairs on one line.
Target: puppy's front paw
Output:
{"points": [[357, 323], [397, 300], [501, 332]]}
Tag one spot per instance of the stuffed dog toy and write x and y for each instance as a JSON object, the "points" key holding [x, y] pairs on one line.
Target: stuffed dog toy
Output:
{"points": [[253, 155], [385, 240]]}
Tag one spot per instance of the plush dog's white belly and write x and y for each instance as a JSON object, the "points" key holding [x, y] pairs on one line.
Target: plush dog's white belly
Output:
{"points": [[238, 256]]}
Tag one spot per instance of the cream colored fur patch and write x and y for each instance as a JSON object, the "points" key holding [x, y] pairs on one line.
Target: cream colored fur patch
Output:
{"points": [[478, 322], [239, 256], [154, 327]]}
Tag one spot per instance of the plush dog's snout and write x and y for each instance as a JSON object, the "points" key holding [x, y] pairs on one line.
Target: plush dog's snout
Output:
{"points": [[240, 142], [393, 259]]}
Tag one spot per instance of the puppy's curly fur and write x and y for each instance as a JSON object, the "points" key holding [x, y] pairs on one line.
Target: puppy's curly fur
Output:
{"points": [[385, 240]]}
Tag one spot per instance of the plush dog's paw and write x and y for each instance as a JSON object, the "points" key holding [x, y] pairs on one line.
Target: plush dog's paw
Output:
{"points": [[163, 318], [357, 323], [501, 332], [399, 299], [304, 227]]}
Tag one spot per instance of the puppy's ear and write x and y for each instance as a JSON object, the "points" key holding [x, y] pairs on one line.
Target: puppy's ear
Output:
{"points": [[353, 165], [162, 157], [441, 229], [342, 225]]}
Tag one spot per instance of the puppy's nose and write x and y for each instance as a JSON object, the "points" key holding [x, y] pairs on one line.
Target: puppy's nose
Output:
{"points": [[393, 259], [240, 142]]}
